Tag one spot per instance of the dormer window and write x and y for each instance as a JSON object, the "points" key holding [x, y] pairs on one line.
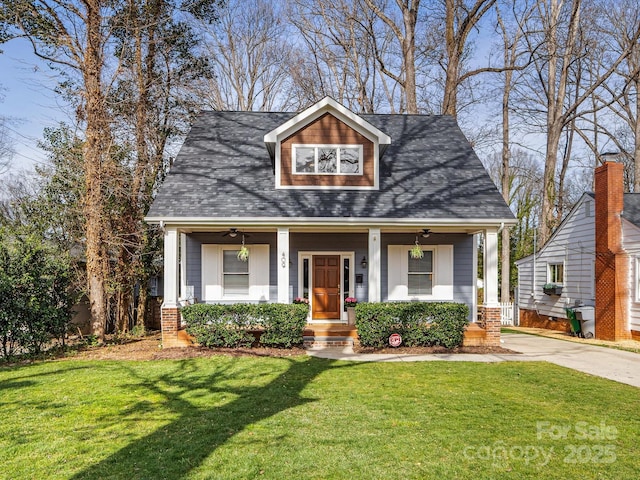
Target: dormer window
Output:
{"points": [[327, 146], [327, 159]]}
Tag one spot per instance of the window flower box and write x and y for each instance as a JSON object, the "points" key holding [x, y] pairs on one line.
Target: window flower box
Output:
{"points": [[552, 289]]}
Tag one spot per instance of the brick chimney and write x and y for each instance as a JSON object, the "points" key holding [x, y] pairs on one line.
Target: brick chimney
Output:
{"points": [[612, 263]]}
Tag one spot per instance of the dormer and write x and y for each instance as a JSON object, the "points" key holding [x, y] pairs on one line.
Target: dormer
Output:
{"points": [[327, 146]]}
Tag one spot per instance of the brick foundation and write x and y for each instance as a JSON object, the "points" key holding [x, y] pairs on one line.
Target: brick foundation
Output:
{"points": [[491, 323], [170, 326], [531, 319]]}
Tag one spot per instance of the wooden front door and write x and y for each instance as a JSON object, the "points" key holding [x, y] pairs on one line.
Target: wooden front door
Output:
{"points": [[326, 287]]}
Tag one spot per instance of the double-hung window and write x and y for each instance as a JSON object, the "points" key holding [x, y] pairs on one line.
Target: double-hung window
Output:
{"points": [[327, 159], [420, 274], [235, 274]]}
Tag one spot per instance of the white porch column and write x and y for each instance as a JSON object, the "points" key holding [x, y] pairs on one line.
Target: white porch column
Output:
{"points": [[491, 268], [170, 267], [374, 265], [282, 261], [183, 266]]}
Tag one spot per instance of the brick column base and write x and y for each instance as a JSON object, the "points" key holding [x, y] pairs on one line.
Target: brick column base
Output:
{"points": [[170, 326], [491, 323]]}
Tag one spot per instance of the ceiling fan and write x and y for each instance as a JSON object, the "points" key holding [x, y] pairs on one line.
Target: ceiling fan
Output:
{"points": [[233, 233]]}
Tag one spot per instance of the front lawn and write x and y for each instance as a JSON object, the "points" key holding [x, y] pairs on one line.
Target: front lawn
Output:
{"points": [[302, 417]]}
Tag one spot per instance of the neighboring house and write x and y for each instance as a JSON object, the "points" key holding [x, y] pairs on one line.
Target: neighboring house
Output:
{"points": [[329, 204], [592, 260]]}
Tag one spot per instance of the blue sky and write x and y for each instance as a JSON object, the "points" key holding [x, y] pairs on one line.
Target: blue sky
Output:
{"points": [[29, 100]]}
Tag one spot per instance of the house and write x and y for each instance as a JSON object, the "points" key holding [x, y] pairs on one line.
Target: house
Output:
{"points": [[329, 205], [590, 263]]}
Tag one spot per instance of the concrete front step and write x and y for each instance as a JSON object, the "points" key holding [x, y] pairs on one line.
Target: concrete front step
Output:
{"points": [[327, 342], [329, 335]]}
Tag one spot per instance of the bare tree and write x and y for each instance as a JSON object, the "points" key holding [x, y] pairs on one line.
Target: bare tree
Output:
{"points": [[512, 54], [6, 146], [555, 89], [460, 19], [338, 54], [404, 31], [248, 48]]}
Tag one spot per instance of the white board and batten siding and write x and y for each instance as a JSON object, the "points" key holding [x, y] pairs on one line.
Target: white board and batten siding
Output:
{"points": [[442, 273], [212, 274], [573, 245], [631, 244]]}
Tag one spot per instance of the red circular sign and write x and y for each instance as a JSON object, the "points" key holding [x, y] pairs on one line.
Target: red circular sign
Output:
{"points": [[395, 340]]}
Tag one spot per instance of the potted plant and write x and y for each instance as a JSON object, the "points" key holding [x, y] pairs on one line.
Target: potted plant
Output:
{"points": [[552, 289], [416, 252], [301, 301], [243, 254], [350, 303]]}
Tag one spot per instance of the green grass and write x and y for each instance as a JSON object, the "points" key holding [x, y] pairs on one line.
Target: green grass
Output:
{"points": [[303, 417]]}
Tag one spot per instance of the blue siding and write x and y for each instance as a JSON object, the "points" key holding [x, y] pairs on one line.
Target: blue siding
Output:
{"points": [[463, 245], [194, 255], [330, 242]]}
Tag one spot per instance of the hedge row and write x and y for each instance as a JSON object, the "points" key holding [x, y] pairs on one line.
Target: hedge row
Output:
{"points": [[215, 325], [419, 323]]}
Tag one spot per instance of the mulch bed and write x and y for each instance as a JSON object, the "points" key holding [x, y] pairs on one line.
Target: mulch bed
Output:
{"points": [[150, 348]]}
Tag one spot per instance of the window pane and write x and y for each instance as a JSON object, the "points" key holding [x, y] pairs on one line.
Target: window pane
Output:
{"points": [[305, 161], [556, 273], [305, 278], [236, 284], [423, 265], [327, 160], [349, 160], [231, 264], [420, 284], [345, 280]]}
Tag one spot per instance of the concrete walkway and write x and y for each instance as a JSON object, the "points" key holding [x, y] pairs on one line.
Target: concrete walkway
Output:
{"points": [[617, 365]]}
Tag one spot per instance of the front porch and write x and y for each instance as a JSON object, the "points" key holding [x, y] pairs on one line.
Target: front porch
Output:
{"points": [[325, 266]]}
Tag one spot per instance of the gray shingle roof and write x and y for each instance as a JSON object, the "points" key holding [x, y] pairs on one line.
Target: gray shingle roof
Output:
{"points": [[428, 171], [632, 208]]}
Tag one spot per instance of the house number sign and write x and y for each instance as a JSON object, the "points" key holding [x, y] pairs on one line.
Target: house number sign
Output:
{"points": [[395, 340]]}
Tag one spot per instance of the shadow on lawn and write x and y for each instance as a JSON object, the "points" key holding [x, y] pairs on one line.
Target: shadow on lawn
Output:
{"points": [[175, 449]]}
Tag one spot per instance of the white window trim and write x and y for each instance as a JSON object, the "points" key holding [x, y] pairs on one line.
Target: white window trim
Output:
{"points": [[316, 147], [636, 278], [352, 279], [397, 273], [212, 274], [564, 273]]}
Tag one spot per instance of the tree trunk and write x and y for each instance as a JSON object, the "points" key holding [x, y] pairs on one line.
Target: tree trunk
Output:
{"points": [[96, 150], [636, 152], [506, 191], [547, 215]]}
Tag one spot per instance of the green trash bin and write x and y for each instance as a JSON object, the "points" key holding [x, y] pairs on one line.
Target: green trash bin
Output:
{"points": [[576, 330]]}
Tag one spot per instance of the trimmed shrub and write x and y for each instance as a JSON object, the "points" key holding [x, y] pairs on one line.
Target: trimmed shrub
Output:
{"points": [[283, 324], [215, 325], [420, 324]]}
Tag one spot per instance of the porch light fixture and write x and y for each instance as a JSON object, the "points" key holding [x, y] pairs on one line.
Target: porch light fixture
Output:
{"points": [[426, 232], [233, 232], [363, 262]]}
